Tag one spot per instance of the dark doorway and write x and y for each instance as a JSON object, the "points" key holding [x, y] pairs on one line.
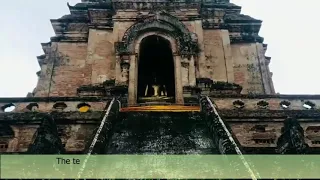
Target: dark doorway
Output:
{"points": [[156, 69]]}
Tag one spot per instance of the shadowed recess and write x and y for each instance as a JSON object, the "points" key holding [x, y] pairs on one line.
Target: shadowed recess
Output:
{"points": [[155, 68]]}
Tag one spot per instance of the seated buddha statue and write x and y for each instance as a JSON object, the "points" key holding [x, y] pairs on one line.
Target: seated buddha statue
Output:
{"points": [[156, 89]]}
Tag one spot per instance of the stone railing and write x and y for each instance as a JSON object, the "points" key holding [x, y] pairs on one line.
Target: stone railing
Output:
{"points": [[101, 134], [219, 135], [75, 118], [270, 102], [258, 121], [61, 104]]}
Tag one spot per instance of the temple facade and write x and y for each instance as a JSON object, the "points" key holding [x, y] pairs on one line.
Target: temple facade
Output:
{"points": [[131, 43], [192, 62]]}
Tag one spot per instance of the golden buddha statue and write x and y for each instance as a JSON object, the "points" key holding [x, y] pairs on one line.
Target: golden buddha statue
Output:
{"points": [[157, 89]]}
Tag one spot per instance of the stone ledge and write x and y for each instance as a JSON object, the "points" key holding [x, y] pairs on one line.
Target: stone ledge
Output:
{"points": [[267, 115], [272, 150], [53, 99], [60, 117], [264, 96]]}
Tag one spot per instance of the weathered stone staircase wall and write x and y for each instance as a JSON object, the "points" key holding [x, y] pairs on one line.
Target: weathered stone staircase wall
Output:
{"points": [[160, 133], [219, 134], [163, 133], [106, 132]]}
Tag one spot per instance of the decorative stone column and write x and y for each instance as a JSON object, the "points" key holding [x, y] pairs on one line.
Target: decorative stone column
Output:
{"points": [[125, 72], [185, 71], [132, 87], [178, 80], [192, 72], [125, 65], [118, 70]]}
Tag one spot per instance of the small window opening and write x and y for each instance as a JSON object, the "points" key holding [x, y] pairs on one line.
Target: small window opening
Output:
{"points": [[260, 128], [238, 104], [60, 106], [285, 104], [315, 142], [60, 132], [282, 130], [33, 107], [264, 141], [8, 108], [263, 104], [3, 146], [83, 107], [313, 129], [309, 105]]}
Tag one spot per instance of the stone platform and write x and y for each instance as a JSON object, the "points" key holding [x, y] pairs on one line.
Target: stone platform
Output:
{"points": [[161, 108]]}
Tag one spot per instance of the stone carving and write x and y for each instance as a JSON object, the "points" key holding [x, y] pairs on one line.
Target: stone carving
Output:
{"points": [[46, 139], [292, 139], [219, 136], [125, 71], [161, 22], [120, 47]]}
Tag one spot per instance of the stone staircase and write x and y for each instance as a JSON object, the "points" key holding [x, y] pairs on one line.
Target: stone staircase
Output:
{"points": [[160, 133]]}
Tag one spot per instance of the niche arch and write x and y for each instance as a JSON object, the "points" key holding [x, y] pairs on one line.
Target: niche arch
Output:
{"points": [[187, 42]]}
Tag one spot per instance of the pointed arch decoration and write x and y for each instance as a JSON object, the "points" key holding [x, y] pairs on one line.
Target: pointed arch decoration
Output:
{"points": [[165, 23]]}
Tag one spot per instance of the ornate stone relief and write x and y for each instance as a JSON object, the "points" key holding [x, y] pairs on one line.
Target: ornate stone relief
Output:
{"points": [[124, 63], [164, 23], [292, 139]]}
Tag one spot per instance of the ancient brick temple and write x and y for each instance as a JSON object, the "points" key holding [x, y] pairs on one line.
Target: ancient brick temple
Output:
{"points": [[175, 77]]}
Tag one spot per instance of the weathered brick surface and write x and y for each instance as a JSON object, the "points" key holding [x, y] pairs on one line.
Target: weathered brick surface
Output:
{"points": [[214, 64], [247, 134], [70, 69], [247, 70], [23, 137], [75, 137], [101, 55]]}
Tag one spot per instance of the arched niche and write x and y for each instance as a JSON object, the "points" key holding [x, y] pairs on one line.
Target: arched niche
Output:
{"points": [[134, 67], [184, 45]]}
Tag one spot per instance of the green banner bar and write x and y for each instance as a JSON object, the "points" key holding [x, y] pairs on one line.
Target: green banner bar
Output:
{"points": [[159, 166]]}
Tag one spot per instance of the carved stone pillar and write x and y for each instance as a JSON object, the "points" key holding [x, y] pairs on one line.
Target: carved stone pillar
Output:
{"points": [[178, 80], [132, 87], [118, 70], [185, 71], [122, 69], [125, 65], [192, 72]]}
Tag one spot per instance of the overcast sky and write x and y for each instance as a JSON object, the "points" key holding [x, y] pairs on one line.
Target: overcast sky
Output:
{"points": [[289, 27]]}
